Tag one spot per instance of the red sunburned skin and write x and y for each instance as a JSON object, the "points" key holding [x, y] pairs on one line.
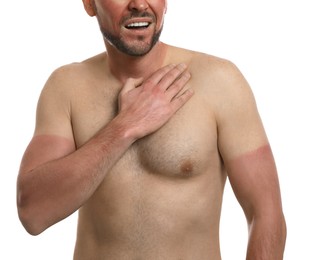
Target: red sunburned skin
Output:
{"points": [[255, 173], [253, 162], [53, 143]]}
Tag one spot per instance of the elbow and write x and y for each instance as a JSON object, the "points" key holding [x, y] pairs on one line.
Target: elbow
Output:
{"points": [[267, 237], [272, 218], [269, 214], [30, 226], [30, 220], [278, 224], [273, 223]]}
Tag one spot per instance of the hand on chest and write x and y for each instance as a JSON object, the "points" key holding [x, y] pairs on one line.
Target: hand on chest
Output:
{"points": [[182, 147]]}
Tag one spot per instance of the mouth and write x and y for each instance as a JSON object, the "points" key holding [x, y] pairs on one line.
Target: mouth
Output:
{"points": [[138, 21], [137, 25]]}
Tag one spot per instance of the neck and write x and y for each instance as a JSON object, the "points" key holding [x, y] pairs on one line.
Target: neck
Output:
{"points": [[123, 66]]}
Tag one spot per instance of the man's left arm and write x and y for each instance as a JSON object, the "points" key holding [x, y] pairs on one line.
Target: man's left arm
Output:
{"points": [[254, 180], [251, 168]]}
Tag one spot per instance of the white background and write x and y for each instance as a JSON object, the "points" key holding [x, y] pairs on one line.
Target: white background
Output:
{"points": [[270, 41]]}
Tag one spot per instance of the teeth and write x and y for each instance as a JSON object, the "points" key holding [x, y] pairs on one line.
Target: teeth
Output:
{"points": [[140, 24]]}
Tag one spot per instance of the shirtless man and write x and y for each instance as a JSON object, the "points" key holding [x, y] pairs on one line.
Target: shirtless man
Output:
{"points": [[140, 139]]}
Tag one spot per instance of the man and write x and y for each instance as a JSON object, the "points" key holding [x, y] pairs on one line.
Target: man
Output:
{"points": [[141, 139]]}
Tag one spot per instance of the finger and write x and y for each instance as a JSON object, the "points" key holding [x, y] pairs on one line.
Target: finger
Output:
{"points": [[171, 76], [180, 100], [156, 77], [130, 84], [177, 86]]}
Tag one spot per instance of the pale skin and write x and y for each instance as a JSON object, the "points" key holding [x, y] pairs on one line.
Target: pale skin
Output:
{"points": [[142, 145]]}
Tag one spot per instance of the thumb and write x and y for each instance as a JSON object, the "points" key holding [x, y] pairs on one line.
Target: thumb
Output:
{"points": [[130, 84]]}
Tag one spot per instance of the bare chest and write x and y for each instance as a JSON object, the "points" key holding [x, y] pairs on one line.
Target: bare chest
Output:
{"points": [[186, 145]]}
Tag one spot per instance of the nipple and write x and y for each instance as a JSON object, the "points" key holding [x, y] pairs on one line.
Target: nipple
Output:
{"points": [[187, 168]]}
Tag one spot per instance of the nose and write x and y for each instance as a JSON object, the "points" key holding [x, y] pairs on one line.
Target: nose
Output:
{"points": [[138, 5]]}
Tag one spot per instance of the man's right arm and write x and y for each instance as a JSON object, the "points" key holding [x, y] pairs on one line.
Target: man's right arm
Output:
{"points": [[55, 179]]}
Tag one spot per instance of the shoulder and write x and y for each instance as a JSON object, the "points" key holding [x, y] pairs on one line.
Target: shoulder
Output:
{"points": [[202, 64], [211, 67], [66, 81], [221, 83], [64, 74], [207, 69], [216, 74], [215, 78], [73, 74]]}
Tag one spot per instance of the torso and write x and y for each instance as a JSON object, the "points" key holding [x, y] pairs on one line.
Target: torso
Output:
{"points": [[162, 199]]}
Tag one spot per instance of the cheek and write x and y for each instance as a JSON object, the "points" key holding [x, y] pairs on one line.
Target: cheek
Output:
{"points": [[108, 14], [107, 22], [157, 6], [159, 19]]}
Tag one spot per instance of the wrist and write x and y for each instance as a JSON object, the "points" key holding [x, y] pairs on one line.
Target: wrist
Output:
{"points": [[123, 129]]}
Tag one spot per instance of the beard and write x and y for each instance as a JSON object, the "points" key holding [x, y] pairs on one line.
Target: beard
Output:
{"points": [[139, 48]]}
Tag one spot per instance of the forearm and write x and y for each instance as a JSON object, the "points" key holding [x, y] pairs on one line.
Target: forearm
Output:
{"points": [[56, 189], [267, 236]]}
